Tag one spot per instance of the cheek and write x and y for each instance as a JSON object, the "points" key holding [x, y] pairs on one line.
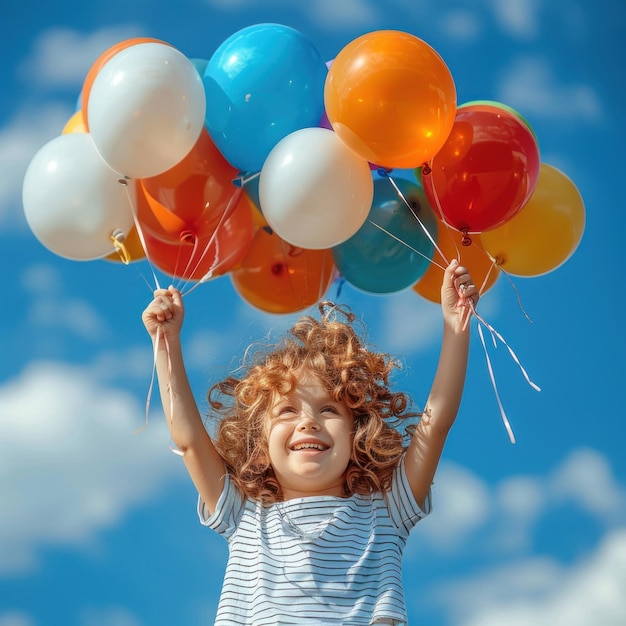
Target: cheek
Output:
{"points": [[276, 436]]}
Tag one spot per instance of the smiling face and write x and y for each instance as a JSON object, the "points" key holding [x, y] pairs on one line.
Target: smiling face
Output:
{"points": [[310, 441]]}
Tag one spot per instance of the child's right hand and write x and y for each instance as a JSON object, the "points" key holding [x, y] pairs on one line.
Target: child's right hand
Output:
{"points": [[165, 313]]}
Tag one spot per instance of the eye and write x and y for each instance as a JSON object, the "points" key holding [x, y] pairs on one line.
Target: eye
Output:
{"points": [[330, 409], [285, 411]]}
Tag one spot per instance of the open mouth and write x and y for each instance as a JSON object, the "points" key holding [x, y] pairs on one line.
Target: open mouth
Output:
{"points": [[308, 445]]}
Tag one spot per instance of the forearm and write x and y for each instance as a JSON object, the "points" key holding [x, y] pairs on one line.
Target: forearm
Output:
{"points": [[447, 389], [179, 405]]}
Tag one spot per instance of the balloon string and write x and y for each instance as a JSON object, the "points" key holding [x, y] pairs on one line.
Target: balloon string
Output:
{"points": [[230, 208], [497, 262], [152, 380], [169, 386], [517, 294], [505, 420], [243, 179], [483, 286], [495, 335], [404, 243], [142, 239], [151, 386], [419, 221]]}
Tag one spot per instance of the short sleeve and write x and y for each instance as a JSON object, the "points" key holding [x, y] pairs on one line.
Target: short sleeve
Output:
{"points": [[404, 509], [230, 505]]}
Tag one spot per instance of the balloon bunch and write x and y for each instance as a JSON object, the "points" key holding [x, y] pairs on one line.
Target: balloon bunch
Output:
{"points": [[266, 163]]}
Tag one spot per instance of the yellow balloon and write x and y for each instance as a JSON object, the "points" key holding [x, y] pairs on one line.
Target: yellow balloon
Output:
{"points": [[545, 232], [76, 124]]}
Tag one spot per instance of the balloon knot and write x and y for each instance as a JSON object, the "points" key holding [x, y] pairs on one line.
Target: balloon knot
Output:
{"points": [[466, 240], [426, 169], [277, 268]]}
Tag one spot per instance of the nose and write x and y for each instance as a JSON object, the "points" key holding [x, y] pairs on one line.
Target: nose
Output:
{"points": [[308, 422]]}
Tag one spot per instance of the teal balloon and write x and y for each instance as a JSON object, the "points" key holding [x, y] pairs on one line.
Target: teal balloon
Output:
{"points": [[200, 65], [261, 84], [391, 251]]}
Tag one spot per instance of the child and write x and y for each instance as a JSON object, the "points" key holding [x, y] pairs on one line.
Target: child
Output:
{"points": [[309, 478]]}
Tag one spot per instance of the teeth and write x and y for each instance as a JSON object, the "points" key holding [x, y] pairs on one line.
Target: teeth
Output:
{"points": [[309, 446]]}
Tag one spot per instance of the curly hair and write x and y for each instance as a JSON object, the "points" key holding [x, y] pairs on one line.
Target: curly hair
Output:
{"points": [[332, 351]]}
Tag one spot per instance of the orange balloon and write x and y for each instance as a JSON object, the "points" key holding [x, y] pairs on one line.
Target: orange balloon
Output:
{"points": [[190, 197], [192, 258], [545, 232], [391, 98], [100, 62], [133, 247], [277, 278], [76, 124], [482, 269]]}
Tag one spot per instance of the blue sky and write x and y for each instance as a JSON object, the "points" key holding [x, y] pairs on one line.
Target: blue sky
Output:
{"points": [[98, 523]]}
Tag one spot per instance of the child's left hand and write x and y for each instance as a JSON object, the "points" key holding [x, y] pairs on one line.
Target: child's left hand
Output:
{"points": [[459, 295]]}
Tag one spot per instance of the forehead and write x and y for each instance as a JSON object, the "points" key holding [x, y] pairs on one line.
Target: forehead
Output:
{"points": [[306, 384]]}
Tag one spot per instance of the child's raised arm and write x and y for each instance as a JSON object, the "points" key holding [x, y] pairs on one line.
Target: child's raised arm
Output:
{"points": [[424, 453], [163, 319]]}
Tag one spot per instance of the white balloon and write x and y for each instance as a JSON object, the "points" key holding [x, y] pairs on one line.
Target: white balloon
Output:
{"points": [[146, 109], [73, 201], [314, 191]]}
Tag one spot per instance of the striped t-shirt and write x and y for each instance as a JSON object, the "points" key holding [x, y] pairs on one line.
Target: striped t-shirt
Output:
{"points": [[315, 560]]}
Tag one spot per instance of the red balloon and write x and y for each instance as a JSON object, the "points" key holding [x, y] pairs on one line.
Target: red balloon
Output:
{"points": [[192, 258], [191, 197], [485, 172]]}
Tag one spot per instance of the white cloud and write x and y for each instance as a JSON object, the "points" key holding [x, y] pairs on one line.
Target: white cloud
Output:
{"points": [[51, 308], [585, 478], [41, 278], [530, 86], [409, 322], [541, 592], [115, 616], [462, 25], [519, 500], [518, 18], [70, 463], [461, 505], [465, 506], [347, 13], [14, 618], [330, 14], [62, 56], [76, 316]]}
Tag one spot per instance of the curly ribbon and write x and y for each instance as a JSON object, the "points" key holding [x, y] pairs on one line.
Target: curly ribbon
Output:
{"points": [[495, 335], [118, 238]]}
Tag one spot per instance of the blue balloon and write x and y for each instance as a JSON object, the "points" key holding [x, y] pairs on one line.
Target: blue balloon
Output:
{"points": [[391, 251], [263, 83]]}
